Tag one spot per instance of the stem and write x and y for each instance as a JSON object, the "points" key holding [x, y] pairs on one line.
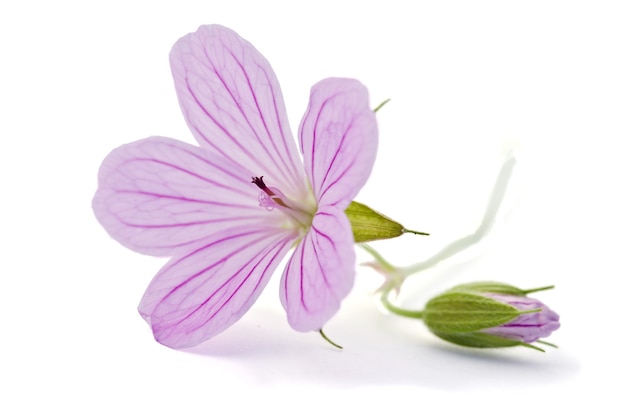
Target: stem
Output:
{"points": [[415, 232], [381, 104], [384, 298], [329, 341], [376, 256], [497, 195]]}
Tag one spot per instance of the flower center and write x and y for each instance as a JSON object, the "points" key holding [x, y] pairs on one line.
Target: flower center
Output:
{"points": [[300, 213]]}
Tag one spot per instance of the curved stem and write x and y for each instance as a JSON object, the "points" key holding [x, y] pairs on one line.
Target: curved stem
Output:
{"points": [[398, 311], [329, 341], [376, 256], [495, 200]]}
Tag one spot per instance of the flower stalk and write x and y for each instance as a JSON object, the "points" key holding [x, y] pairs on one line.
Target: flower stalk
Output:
{"points": [[481, 314]]}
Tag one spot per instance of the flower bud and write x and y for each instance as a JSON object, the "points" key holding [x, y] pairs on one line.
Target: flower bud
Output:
{"points": [[490, 315], [369, 225]]}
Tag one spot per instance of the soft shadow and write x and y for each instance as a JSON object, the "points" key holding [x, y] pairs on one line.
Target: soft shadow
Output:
{"points": [[378, 350]]}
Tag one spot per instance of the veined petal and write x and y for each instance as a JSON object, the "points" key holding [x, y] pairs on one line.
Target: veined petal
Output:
{"points": [[158, 196], [338, 139], [198, 295], [321, 271], [233, 104]]}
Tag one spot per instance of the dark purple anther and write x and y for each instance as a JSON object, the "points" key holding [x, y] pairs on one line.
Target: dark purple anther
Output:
{"points": [[259, 183]]}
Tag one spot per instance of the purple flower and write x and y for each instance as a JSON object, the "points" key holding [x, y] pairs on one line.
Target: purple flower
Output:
{"points": [[527, 327], [228, 211]]}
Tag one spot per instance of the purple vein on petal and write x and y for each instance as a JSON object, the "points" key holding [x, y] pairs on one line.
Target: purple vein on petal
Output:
{"points": [[304, 244], [332, 163], [193, 174], [282, 164], [234, 100], [288, 271], [213, 265], [228, 172], [181, 224], [336, 180], [185, 199], [278, 249], [207, 246], [317, 255], [181, 310], [296, 169], [314, 143], [220, 126]]}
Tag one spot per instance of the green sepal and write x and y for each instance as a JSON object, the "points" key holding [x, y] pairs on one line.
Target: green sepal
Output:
{"points": [[369, 225], [496, 287], [489, 287], [482, 340], [457, 312]]}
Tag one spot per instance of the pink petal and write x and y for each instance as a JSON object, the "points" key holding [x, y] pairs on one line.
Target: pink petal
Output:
{"points": [[158, 195], [233, 105], [321, 271], [338, 138], [198, 295]]}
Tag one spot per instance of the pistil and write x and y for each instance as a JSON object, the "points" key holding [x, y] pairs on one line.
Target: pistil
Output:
{"points": [[294, 210]]}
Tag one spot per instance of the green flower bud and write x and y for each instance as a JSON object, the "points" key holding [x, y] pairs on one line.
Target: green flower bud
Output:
{"points": [[369, 225], [489, 315]]}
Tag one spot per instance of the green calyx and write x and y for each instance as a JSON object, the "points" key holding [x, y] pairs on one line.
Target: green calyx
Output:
{"points": [[369, 225], [461, 313], [458, 312]]}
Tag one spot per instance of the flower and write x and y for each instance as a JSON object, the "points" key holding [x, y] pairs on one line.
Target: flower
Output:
{"points": [[225, 234], [490, 315]]}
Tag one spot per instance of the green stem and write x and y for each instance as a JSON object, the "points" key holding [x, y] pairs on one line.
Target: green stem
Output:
{"points": [[497, 195], [381, 104], [329, 341], [421, 233], [376, 256], [399, 311]]}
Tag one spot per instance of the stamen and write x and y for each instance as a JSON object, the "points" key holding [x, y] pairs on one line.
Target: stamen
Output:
{"points": [[259, 183], [272, 197]]}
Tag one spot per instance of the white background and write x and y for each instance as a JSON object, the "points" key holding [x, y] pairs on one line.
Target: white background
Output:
{"points": [[467, 80]]}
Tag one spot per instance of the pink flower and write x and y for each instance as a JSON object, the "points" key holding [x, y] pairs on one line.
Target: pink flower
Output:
{"points": [[225, 234]]}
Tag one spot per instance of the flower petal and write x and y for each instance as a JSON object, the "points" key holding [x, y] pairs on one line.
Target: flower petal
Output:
{"points": [[233, 104], [158, 196], [321, 271], [338, 139], [527, 327], [198, 295]]}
